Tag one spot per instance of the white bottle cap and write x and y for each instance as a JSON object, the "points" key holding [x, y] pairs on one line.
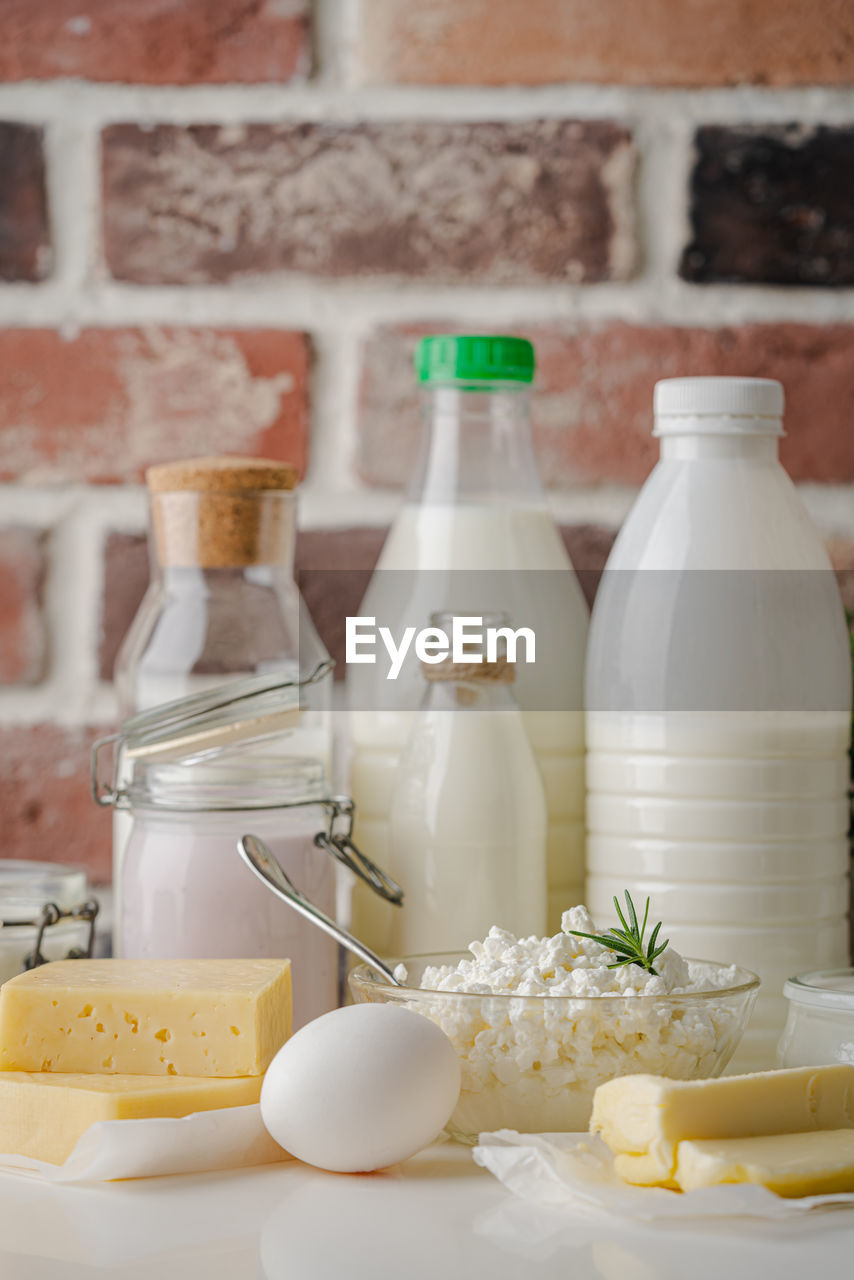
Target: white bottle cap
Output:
{"points": [[719, 406]]}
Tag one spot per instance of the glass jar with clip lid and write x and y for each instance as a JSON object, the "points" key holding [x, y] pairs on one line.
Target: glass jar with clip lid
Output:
{"points": [[194, 776], [45, 914]]}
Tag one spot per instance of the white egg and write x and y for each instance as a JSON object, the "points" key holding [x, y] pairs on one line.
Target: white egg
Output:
{"points": [[361, 1088]]}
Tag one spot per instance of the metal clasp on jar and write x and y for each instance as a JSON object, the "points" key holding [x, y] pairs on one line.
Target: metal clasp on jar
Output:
{"points": [[337, 839], [51, 914]]}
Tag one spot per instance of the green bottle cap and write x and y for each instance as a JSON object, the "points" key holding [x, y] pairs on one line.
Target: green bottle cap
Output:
{"points": [[474, 358]]}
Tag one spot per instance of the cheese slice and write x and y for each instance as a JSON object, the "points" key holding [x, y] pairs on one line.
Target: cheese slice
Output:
{"points": [[146, 1017], [644, 1118], [792, 1164], [42, 1115]]}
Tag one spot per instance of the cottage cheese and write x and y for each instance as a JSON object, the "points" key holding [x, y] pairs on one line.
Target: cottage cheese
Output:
{"points": [[533, 1064]]}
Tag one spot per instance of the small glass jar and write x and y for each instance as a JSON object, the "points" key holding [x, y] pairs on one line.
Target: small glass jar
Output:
{"points": [[194, 776], [820, 1025], [45, 914], [185, 891]]}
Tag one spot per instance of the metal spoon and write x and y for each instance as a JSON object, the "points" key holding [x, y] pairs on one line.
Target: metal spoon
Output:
{"points": [[256, 854]]}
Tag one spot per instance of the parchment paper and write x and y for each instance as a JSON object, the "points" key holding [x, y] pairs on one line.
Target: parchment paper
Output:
{"points": [[226, 1138], [576, 1171]]}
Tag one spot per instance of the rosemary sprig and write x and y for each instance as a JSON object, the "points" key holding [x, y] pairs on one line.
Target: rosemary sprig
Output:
{"points": [[627, 943]]}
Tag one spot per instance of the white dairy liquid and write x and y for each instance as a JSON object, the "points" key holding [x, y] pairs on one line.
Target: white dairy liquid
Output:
{"points": [[732, 820], [737, 831], [430, 539], [468, 829]]}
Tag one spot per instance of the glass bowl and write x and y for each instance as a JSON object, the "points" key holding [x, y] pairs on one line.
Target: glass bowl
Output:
{"points": [[820, 1024], [533, 1063]]}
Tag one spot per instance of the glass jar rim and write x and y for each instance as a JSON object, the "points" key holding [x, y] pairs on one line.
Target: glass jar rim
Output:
{"points": [[26, 886], [822, 989], [245, 703], [229, 783], [208, 731]]}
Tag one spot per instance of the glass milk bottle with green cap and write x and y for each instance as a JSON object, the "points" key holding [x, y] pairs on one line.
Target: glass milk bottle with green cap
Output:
{"points": [[474, 537]]}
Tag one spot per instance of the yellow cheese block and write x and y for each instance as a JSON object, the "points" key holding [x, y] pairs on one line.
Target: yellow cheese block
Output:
{"points": [[792, 1164], [42, 1115], [644, 1118], [146, 1017]]}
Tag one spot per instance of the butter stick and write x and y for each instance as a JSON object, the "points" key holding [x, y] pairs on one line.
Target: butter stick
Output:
{"points": [[43, 1115], [146, 1017], [643, 1118], [791, 1164]]}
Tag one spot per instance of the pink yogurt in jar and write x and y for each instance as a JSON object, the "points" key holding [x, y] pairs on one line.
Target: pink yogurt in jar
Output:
{"points": [[186, 892]]}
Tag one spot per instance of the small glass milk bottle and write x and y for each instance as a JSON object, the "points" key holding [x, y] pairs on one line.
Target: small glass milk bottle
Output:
{"points": [[468, 810]]}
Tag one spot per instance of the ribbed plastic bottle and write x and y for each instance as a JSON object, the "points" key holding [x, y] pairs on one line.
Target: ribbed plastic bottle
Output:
{"points": [[475, 536], [718, 704]]}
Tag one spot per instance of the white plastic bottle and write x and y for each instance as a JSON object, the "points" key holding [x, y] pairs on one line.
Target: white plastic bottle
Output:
{"points": [[468, 811], [475, 535], [718, 704]]}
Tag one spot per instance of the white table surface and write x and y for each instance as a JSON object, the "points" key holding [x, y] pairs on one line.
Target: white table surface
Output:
{"points": [[438, 1216]]}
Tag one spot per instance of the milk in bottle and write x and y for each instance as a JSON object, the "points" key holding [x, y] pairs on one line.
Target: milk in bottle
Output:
{"points": [[468, 811], [475, 535], [718, 704]]}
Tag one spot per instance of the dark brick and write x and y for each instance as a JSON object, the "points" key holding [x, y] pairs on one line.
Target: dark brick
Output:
{"points": [[24, 231], [589, 546], [155, 41], [333, 568], [772, 205], [126, 572], [23, 632], [48, 811], [492, 203]]}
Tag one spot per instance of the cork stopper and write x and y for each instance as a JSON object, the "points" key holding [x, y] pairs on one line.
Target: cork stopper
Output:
{"points": [[220, 475], [222, 512]]}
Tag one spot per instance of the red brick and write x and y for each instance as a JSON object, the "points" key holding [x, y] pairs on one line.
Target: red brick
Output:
{"points": [[48, 811], [487, 203], [592, 409], [23, 636], [24, 232], [102, 406], [155, 41], [662, 42]]}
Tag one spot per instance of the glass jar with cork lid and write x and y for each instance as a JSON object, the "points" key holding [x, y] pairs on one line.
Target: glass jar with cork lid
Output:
{"points": [[222, 603], [222, 600]]}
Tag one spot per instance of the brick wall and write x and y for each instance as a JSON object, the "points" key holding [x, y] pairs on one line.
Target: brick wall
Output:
{"points": [[222, 227]]}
